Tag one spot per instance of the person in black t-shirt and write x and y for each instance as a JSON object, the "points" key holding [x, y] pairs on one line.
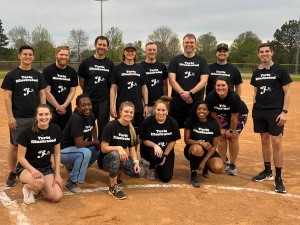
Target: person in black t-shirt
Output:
{"points": [[62, 81], [272, 93], [80, 147], [24, 90], [34, 169], [188, 74], [231, 113], [159, 134], [94, 73], [118, 135], [129, 83], [201, 136]]}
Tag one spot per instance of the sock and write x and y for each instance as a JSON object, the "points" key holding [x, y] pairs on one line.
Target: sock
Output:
{"points": [[278, 171], [194, 163], [268, 167]]}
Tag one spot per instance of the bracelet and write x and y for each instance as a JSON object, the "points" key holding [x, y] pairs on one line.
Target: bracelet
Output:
{"points": [[136, 161]]}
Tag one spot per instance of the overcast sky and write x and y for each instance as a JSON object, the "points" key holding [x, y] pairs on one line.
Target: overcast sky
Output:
{"points": [[226, 19]]}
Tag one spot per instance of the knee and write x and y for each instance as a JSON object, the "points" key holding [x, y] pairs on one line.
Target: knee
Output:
{"points": [[13, 148], [196, 150], [265, 138], [37, 184], [56, 197], [165, 178], [217, 168]]}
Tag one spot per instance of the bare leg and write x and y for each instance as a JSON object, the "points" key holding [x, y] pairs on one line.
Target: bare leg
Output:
{"points": [[234, 147], [266, 146], [222, 148], [53, 193], [277, 150]]}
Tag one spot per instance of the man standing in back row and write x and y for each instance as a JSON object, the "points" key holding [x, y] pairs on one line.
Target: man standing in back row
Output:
{"points": [[272, 93], [188, 75], [157, 75], [94, 73]]}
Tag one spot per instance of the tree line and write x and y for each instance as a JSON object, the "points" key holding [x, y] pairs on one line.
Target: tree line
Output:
{"points": [[242, 50]]}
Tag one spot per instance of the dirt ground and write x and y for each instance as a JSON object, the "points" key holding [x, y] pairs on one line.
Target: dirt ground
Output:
{"points": [[222, 199]]}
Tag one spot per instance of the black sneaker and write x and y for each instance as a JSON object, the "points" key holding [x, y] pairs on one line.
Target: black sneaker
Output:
{"points": [[116, 192], [72, 187], [263, 176], [279, 185], [195, 181], [205, 173], [119, 180], [11, 180]]}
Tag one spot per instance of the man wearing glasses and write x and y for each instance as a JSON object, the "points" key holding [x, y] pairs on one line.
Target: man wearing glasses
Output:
{"points": [[62, 81]]}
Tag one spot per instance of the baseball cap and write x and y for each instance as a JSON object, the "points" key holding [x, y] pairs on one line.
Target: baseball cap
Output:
{"points": [[129, 45], [222, 45]]}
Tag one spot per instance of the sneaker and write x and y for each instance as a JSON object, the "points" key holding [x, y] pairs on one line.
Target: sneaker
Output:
{"points": [[119, 180], [28, 196], [232, 170], [144, 162], [68, 168], [227, 162], [72, 187], [279, 185], [263, 176], [11, 180], [195, 181], [151, 174], [205, 173], [116, 192]]}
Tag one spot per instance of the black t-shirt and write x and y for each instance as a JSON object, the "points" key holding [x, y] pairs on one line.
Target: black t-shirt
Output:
{"points": [[269, 84], [203, 131], [156, 73], [78, 126], [25, 86], [129, 79], [228, 70], [40, 145], [60, 81], [230, 104], [188, 73], [160, 134], [96, 73]]}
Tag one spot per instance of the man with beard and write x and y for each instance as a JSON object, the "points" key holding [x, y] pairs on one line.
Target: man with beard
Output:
{"points": [[93, 74], [62, 81]]}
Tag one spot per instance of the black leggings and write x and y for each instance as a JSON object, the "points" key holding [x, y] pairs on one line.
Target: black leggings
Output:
{"points": [[164, 172]]}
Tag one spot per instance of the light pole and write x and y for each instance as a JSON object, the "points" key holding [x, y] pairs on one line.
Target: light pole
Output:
{"points": [[101, 15], [296, 67]]}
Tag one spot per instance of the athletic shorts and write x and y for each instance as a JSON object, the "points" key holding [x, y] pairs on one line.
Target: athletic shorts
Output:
{"points": [[264, 120], [138, 122], [45, 170], [242, 120], [187, 155], [21, 124], [180, 111]]}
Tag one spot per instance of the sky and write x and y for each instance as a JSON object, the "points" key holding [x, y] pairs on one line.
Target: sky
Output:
{"points": [[137, 19]]}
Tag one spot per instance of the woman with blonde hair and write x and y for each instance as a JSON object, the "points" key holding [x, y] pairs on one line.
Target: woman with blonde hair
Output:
{"points": [[118, 135]]}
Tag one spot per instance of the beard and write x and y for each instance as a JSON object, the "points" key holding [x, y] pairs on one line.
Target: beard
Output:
{"points": [[62, 62]]}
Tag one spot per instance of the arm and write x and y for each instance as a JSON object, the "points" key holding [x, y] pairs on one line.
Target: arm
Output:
{"points": [[112, 100], [60, 109], [157, 149], [173, 83], [42, 96], [94, 132], [282, 118], [12, 123], [105, 148], [79, 142], [70, 97], [81, 82], [165, 86], [238, 89], [57, 178], [210, 152], [254, 95], [145, 99], [201, 84], [133, 156]]}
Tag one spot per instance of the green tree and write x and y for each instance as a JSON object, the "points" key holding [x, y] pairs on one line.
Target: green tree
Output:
{"points": [[86, 53], [115, 37], [139, 51], [206, 46], [42, 43], [174, 47], [3, 42], [19, 36], [285, 42], [78, 42], [244, 48]]}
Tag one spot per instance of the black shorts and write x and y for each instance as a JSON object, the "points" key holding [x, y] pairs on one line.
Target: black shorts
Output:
{"points": [[180, 111], [138, 122], [45, 170], [187, 156], [265, 121], [242, 120]]}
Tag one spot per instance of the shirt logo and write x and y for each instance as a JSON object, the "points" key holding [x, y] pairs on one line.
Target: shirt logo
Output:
{"points": [[61, 89], [27, 91], [98, 79], [154, 82], [42, 153], [189, 74], [131, 84], [264, 89]]}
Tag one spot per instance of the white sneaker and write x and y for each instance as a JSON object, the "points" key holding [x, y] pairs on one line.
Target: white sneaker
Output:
{"points": [[28, 195]]}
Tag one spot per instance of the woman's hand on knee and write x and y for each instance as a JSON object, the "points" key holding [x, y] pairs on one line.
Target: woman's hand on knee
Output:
{"points": [[157, 151], [123, 154], [36, 174]]}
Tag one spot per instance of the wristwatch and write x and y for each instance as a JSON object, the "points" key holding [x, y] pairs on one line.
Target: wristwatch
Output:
{"points": [[231, 131], [285, 111], [191, 93]]}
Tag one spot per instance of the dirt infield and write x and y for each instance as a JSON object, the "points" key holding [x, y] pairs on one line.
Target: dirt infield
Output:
{"points": [[222, 199]]}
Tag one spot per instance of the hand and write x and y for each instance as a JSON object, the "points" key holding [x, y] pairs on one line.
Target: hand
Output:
{"points": [[157, 151], [146, 111], [162, 163], [202, 165], [97, 143], [113, 113], [36, 174], [12, 123], [281, 119], [228, 134], [123, 154], [185, 95], [189, 100], [223, 133], [137, 168], [206, 145], [58, 180], [61, 110]]}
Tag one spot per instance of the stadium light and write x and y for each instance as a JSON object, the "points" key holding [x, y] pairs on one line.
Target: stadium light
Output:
{"points": [[101, 15]]}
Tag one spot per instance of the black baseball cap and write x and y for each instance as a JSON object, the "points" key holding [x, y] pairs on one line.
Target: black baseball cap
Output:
{"points": [[222, 45]]}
